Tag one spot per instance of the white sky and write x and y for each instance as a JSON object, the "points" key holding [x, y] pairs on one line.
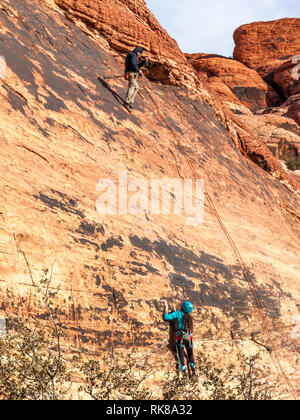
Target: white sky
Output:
{"points": [[207, 26]]}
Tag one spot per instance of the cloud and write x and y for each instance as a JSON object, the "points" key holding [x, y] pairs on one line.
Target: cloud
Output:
{"points": [[208, 26]]}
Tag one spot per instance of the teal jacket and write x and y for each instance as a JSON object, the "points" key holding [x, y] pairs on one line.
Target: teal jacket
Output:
{"points": [[177, 314]]}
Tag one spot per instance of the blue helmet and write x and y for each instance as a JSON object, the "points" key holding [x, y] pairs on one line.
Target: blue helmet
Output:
{"points": [[187, 307]]}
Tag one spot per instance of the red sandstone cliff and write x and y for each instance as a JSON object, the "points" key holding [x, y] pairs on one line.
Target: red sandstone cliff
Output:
{"points": [[62, 130], [260, 85], [272, 49], [262, 45]]}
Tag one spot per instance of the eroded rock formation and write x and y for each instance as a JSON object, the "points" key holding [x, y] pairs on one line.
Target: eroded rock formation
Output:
{"points": [[260, 86], [263, 46], [245, 84]]}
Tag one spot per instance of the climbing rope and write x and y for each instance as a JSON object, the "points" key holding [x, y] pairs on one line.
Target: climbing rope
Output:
{"points": [[248, 278], [290, 211]]}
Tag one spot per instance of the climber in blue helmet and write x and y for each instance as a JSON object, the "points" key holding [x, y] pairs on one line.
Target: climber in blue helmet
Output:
{"points": [[183, 336]]}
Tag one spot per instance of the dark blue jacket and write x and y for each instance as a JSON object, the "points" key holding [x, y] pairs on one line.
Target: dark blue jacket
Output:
{"points": [[131, 64]]}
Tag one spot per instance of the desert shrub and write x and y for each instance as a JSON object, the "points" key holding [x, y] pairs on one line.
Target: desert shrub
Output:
{"points": [[293, 164], [235, 382], [114, 377], [32, 366]]}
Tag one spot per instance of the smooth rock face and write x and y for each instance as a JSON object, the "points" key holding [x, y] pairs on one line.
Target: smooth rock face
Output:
{"points": [[62, 130], [263, 45]]}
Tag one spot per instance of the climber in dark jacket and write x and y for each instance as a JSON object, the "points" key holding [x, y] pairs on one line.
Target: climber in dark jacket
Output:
{"points": [[133, 71], [131, 61]]}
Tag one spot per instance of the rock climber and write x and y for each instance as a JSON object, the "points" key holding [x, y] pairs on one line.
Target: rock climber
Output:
{"points": [[132, 72], [183, 337]]}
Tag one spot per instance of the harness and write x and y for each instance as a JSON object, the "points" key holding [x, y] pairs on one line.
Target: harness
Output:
{"points": [[127, 75], [182, 335]]}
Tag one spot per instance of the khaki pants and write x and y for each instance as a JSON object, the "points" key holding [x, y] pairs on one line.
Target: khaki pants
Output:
{"points": [[133, 89]]}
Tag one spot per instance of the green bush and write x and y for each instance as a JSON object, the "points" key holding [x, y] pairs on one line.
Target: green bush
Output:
{"points": [[293, 164], [235, 382]]}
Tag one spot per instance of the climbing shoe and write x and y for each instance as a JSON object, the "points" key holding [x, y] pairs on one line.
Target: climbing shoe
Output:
{"points": [[128, 106], [183, 370]]}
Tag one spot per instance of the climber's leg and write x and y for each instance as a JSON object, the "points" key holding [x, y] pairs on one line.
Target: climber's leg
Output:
{"points": [[133, 89], [190, 353], [180, 353]]}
